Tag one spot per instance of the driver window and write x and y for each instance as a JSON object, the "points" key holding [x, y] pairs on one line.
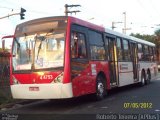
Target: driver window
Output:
{"points": [[78, 45]]}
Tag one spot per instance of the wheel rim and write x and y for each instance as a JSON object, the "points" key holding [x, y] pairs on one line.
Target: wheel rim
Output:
{"points": [[143, 81], [100, 89]]}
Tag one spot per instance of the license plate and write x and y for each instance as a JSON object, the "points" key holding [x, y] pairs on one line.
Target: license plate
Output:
{"points": [[33, 88]]}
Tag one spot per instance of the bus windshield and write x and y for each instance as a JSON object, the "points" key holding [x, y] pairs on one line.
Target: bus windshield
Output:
{"points": [[39, 50]]}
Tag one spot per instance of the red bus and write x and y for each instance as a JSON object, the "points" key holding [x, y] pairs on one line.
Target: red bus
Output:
{"points": [[65, 57]]}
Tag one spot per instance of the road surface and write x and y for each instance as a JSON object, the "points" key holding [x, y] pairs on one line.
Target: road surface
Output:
{"points": [[143, 102]]}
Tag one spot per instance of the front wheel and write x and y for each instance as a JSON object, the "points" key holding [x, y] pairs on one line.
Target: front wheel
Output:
{"points": [[100, 88]]}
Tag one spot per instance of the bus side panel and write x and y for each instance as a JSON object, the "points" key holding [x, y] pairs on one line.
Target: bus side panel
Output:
{"points": [[148, 65], [125, 73], [36, 77], [84, 77], [101, 67], [82, 80]]}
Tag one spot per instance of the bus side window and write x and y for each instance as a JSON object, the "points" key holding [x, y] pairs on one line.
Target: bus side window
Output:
{"points": [[119, 49], [146, 53], [126, 50], [78, 45], [154, 54], [150, 54], [140, 52]]}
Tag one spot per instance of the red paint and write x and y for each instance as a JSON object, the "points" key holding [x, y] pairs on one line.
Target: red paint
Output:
{"points": [[85, 82], [87, 24], [36, 77], [67, 72], [9, 36]]}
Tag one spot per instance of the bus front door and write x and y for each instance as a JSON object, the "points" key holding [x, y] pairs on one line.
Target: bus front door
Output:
{"points": [[113, 63]]}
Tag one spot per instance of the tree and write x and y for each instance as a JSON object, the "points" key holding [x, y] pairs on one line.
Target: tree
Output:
{"points": [[157, 42], [151, 38]]}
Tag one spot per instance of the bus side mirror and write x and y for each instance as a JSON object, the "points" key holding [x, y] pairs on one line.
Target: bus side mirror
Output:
{"points": [[6, 42]]}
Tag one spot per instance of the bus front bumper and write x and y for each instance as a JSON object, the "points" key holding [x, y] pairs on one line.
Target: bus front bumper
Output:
{"points": [[42, 91]]}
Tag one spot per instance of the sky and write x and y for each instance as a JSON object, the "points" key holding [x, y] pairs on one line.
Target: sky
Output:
{"points": [[142, 16]]}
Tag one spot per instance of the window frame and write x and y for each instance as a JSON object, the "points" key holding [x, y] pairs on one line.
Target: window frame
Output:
{"points": [[102, 46], [121, 45], [85, 41], [129, 59], [140, 51]]}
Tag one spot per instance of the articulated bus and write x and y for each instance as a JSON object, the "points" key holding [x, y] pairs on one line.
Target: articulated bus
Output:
{"points": [[64, 57]]}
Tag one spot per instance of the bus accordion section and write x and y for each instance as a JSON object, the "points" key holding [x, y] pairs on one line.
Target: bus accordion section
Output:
{"points": [[65, 57]]}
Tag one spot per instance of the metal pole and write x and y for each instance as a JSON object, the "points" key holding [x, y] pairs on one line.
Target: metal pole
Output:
{"points": [[112, 25], [124, 29], [66, 9], [9, 15]]}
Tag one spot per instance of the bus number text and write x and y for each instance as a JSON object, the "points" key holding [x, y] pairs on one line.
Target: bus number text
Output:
{"points": [[46, 77]]}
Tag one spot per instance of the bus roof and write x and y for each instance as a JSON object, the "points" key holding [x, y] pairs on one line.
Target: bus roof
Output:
{"points": [[45, 19], [129, 37], [89, 25], [117, 34]]}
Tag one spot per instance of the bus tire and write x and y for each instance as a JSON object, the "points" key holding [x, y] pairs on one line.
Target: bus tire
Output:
{"points": [[148, 78], [143, 79], [100, 88]]}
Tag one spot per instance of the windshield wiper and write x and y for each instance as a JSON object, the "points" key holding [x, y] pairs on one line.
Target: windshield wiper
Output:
{"points": [[33, 59], [17, 42], [39, 47], [18, 48], [41, 38]]}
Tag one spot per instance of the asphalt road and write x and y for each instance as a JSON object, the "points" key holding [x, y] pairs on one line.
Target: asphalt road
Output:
{"points": [[131, 99]]}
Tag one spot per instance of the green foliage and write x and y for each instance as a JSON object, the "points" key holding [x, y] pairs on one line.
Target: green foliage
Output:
{"points": [[157, 38], [150, 38], [157, 32], [157, 42]]}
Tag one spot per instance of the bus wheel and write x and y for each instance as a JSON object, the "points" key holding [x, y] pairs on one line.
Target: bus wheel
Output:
{"points": [[100, 88], [143, 79], [148, 77]]}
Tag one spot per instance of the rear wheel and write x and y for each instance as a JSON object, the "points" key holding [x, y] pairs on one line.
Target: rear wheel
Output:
{"points": [[143, 79], [100, 88], [148, 77]]}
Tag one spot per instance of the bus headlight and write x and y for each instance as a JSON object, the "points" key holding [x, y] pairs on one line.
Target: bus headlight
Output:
{"points": [[58, 79], [15, 81]]}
